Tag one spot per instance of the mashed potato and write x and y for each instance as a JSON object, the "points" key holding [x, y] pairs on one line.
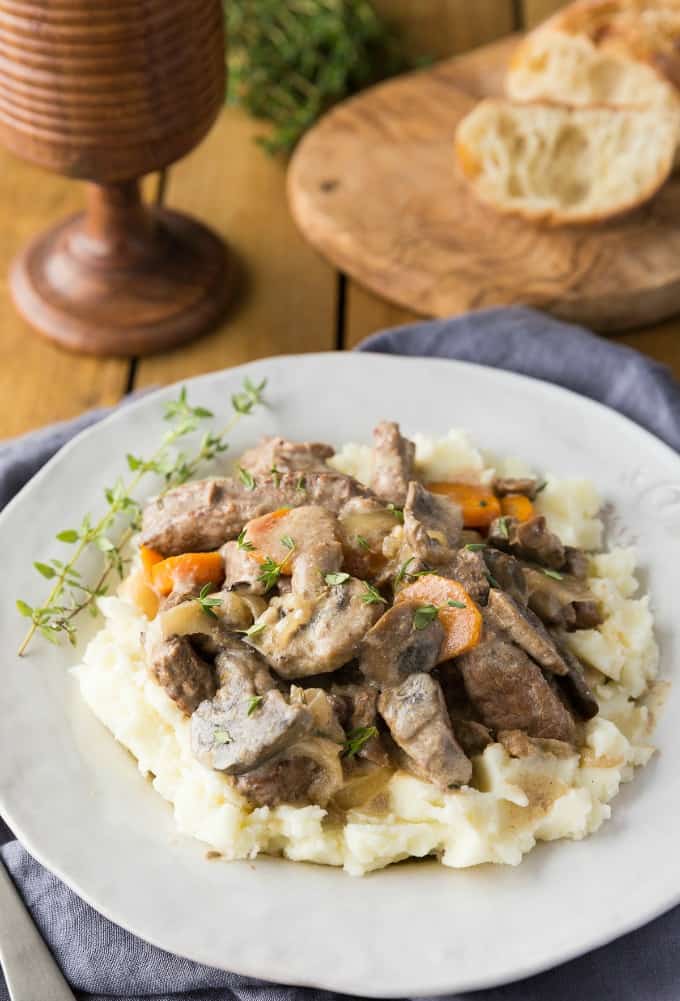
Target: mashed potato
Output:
{"points": [[513, 802]]}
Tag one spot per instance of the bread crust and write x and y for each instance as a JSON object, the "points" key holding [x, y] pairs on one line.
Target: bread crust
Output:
{"points": [[542, 123]]}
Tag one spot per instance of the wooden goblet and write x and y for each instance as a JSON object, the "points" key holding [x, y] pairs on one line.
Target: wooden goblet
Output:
{"points": [[107, 91]]}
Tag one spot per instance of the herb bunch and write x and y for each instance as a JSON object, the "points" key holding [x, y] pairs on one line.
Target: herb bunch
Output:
{"points": [[290, 62], [111, 532]]}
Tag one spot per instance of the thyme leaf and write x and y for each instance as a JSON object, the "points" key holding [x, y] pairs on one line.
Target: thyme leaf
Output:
{"points": [[110, 534], [356, 739]]}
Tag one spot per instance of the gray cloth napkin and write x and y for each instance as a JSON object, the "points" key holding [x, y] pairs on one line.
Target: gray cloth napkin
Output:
{"points": [[102, 961]]}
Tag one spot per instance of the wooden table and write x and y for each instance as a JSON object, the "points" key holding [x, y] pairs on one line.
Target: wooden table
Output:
{"points": [[289, 301]]}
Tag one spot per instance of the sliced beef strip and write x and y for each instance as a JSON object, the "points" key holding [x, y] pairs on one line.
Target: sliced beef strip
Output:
{"points": [[519, 745], [185, 676], [315, 634], [230, 736], [286, 456], [393, 457], [284, 780], [393, 649], [473, 737], [567, 603], [205, 514], [504, 485], [359, 710], [507, 572], [574, 685], [525, 629], [469, 569], [432, 525], [510, 692], [575, 562], [241, 569], [416, 715], [528, 540]]}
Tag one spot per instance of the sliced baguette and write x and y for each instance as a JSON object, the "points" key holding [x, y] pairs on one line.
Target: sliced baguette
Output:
{"points": [[552, 65], [623, 53], [564, 165]]}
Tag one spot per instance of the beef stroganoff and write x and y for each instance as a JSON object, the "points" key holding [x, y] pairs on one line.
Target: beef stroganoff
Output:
{"points": [[392, 651]]}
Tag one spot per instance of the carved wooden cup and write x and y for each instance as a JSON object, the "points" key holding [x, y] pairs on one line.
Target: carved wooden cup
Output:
{"points": [[107, 91]]}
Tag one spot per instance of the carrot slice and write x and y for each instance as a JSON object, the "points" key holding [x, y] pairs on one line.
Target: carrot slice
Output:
{"points": [[187, 571], [149, 558], [265, 534], [462, 625], [517, 506], [480, 506]]}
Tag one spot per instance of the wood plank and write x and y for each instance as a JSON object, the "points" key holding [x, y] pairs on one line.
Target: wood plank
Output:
{"points": [[286, 300], [374, 187], [366, 313], [661, 342], [535, 11], [40, 383], [439, 28]]}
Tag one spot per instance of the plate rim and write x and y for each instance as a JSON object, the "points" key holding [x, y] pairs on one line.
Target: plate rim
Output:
{"points": [[522, 971]]}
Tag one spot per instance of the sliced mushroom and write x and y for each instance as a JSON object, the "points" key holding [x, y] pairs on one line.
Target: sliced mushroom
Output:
{"points": [[393, 649], [243, 727], [307, 634]]}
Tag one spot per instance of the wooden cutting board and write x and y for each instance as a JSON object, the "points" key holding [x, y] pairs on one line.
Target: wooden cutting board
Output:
{"points": [[374, 187]]}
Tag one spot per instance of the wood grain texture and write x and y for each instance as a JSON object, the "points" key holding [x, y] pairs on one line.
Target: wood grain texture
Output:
{"points": [[438, 28], [535, 11], [661, 342], [38, 382], [419, 238], [287, 294], [109, 91], [366, 313]]}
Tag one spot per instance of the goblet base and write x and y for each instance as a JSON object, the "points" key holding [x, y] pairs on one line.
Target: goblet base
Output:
{"points": [[157, 285]]}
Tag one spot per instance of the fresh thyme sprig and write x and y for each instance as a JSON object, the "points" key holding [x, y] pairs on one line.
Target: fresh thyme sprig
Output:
{"points": [[289, 62], [206, 603], [404, 574], [270, 570], [372, 596], [70, 595]]}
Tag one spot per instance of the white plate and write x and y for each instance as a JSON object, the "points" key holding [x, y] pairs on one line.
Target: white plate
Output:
{"points": [[78, 803]]}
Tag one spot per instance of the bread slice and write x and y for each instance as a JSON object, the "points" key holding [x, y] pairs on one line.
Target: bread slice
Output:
{"points": [[564, 165], [645, 30], [553, 65]]}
